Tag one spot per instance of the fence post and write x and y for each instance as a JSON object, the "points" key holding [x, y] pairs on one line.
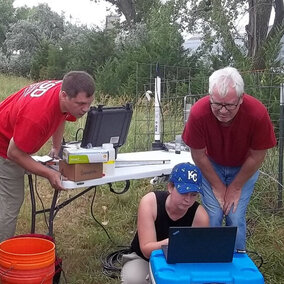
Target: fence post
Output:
{"points": [[281, 130]]}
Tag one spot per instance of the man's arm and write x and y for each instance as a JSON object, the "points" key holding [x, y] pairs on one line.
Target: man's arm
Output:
{"points": [[201, 160], [28, 163], [147, 212], [250, 166], [57, 141]]}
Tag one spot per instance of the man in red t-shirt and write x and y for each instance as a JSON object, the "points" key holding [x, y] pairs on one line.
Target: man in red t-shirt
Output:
{"points": [[229, 133], [28, 119]]}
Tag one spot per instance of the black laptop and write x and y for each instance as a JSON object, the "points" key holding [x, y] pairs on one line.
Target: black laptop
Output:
{"points": [[200, 244]]}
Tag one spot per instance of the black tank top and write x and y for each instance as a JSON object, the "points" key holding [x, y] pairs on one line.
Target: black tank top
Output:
{"points": [[163, 221]]}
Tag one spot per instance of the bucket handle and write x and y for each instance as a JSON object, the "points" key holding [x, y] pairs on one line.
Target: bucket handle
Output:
{"points": [[7, 270], [46, 276]]}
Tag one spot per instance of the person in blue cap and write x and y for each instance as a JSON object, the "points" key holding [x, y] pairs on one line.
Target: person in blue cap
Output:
{"points": [[160, 210]]}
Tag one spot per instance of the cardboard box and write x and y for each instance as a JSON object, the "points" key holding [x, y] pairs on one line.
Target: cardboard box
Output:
{"points": [[85, 156], [79, 172]]}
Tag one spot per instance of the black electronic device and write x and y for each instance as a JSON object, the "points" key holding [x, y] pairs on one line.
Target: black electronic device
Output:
{"points": [[107, 125], [200, 244]]}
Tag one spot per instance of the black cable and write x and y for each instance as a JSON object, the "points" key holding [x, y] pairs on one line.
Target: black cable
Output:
{"points": [[76, 135], [42, 205], [112, 263], [127, 185], [63, 273], [260, 258], [92, 213]]}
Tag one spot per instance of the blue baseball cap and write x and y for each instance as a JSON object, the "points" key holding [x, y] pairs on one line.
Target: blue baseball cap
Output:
{"points": [[186, 178]]}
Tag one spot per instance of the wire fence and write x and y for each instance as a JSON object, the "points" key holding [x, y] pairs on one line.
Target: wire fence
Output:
{"points": [[180, 90]]}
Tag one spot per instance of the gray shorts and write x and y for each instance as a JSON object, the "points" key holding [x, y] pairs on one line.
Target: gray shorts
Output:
{"points": [[135, 269], [11, 196]]}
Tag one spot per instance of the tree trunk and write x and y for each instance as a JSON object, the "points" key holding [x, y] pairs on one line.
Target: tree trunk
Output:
{"points": [[258, 28], [279, 18]]}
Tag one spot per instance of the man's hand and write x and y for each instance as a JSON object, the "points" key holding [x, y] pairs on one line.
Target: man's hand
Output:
{"points": [[232, 198], [54, 153], [55, 179], [220, 194]]}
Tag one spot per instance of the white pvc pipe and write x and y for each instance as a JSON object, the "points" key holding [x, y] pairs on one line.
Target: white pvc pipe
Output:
{"points": [[157, 108], [282, 94]]}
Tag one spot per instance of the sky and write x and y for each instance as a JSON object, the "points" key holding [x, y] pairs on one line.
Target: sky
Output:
{"points": [[82, 11]]}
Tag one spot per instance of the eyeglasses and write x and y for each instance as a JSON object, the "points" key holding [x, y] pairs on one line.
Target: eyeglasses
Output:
{"points": [[228, 107]]}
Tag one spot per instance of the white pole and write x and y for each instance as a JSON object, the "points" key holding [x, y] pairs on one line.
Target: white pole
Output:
{"points": [[280, 147], [157, 108]]}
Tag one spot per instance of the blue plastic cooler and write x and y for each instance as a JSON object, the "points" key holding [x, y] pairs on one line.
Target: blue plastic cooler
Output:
{"points": [[241, 270]]}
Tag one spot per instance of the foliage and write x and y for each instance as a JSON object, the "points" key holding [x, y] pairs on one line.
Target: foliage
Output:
{"points": [[45, 47], [41, 25], [7, 18], [38, 43], [134, 11], [20, 64], [39, 61], [217, 21], [29, 37], [157, 40], [92, 50]]}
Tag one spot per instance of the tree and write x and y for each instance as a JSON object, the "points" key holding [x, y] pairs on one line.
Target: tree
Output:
{"points": [[35, 30], [134, 11], [158, 39], [7, 18], [217, 19], [34, 26], [92, 49], [258, 28]]}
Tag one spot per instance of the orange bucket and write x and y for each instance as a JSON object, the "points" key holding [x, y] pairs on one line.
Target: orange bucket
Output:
{"points": [[27, 260]]}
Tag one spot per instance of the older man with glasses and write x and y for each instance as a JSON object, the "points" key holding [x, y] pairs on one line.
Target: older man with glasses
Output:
{"points": [[229, 133]]}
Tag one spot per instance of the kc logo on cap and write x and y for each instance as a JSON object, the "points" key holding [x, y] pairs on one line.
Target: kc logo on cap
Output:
{"points": [[192, 175], [186, 178]]}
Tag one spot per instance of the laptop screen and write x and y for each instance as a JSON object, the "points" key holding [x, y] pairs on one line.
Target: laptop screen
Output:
{"points": [[200, 244]]}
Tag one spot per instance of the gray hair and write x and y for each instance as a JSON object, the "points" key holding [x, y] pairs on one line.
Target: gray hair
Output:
{"points": [[224, 78]]}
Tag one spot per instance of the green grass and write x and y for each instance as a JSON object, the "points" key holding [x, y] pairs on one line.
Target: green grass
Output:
{"points": [[11, 84], [81, 242]]}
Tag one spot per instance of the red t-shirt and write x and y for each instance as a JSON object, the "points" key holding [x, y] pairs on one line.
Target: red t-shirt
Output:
{"points": [[251, 128], [31, 116]]}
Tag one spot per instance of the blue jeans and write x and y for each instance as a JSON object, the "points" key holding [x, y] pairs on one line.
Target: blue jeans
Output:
{"points": [[216, 214]]}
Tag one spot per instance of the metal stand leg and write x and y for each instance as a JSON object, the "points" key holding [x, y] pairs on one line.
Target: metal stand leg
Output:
{"points": [[53, 210], [51, 213]]}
